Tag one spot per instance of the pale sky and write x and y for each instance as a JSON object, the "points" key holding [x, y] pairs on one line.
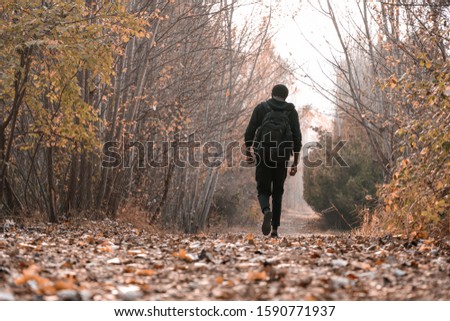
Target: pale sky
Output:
{"points": [[293, 41], [296, 24]]}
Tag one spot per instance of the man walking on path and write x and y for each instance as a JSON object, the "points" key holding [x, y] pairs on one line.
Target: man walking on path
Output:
{"points": [[274, 134]]}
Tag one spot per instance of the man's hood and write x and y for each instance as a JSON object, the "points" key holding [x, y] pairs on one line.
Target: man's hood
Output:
{"points": [[280, 105]]}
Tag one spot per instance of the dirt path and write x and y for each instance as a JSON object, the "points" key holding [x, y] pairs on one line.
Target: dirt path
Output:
{"points": [[295, 222]]}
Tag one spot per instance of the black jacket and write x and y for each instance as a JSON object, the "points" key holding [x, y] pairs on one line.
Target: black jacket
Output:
{"points": [[258, 116]]}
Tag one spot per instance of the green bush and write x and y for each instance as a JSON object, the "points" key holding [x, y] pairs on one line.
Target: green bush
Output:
{"points": [[339, 192]]}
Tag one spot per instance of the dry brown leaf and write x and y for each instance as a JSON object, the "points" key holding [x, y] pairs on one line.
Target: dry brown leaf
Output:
{"points": [[361, 265], [285, 242], [421, 235], [42, 285], [46, 288], [115, 260], [27, 246], [129, 269], [250, 239], [66, 265], [3, 243], [90, 239], [229, 283], [67, 284], [352, 276], [145, 272], [105, 249], [425, 248], [183, 256], [135, 252], [257, 276], [29, 273], [310, 297]]}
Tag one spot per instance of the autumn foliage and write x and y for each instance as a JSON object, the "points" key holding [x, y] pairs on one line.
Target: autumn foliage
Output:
{"points": [[417, 197], [392, 92], [78, 74]]}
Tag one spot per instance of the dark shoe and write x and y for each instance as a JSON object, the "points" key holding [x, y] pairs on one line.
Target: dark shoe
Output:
{"points": [[274, 234], [266, 225]]}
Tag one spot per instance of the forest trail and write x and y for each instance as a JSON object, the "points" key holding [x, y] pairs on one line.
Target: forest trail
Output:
{"points": [[294, 222], [299, 222], [111, 261]]}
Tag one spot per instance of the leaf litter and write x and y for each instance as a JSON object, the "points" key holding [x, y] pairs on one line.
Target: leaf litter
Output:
{"points": [[111, 261]]}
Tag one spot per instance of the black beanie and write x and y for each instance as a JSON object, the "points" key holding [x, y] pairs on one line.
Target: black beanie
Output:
{"points": [[280, 91]]}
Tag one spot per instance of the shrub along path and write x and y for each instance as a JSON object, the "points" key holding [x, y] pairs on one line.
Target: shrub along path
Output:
{"points": [[110, 261]]}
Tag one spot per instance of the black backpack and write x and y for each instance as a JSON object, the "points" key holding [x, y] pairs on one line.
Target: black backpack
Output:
{"points": [[274, 136]]}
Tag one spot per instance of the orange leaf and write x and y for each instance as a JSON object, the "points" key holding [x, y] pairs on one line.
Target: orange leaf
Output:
{"points": [[107, 249], [145, 272], [135, 252], [310, 297], [65, 285], [90, 239], [250, 239], [66, 265], [230, 283], [183, 256], [392, 81], [28, 274], [257, 276], [425, 248], [129, 269]]}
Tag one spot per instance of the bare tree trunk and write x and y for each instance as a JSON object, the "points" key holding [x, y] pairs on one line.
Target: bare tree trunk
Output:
{"points": [[51, 190], [110, 136], [73, 183], [21, 79], [163, 200]]}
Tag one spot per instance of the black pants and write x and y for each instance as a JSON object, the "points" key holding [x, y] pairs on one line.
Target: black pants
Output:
{"points": [[270, 179]]}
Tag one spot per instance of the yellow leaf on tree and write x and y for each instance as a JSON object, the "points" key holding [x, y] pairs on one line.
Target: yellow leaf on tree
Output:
{"points": [[439, 185], [393, 82]]}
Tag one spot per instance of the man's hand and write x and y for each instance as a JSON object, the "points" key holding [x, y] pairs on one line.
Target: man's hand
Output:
{"points": [[250, 159], [293, 170]]}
